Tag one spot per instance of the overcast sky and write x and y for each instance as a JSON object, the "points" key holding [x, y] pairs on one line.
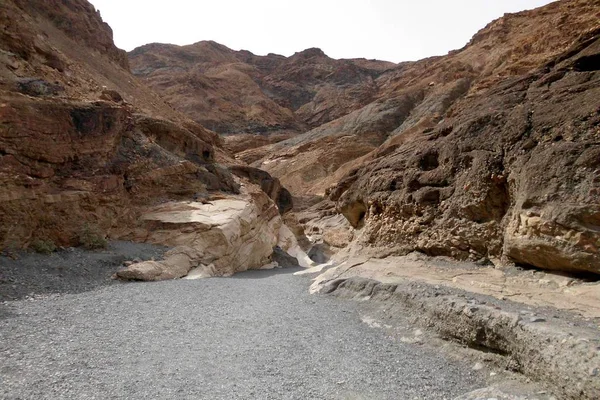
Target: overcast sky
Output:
{"points": [[392, 30]]}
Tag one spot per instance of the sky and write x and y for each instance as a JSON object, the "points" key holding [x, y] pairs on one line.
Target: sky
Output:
{"points": [[391, 30]]}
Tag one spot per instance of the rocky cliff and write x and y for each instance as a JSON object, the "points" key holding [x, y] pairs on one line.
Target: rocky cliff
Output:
{"points": [[507, 167], [487, 153], [83, 145]]}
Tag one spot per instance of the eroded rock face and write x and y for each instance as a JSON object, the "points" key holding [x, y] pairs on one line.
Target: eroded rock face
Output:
{"points": [[511, 172], [270, 185], [486, 153], [82, 143], [61, 160], [86, 149], [479, 154]]}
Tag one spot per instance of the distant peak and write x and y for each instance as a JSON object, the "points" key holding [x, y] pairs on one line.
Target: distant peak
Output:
{"points": [[212, 44], [150, 47], [309, 53]]}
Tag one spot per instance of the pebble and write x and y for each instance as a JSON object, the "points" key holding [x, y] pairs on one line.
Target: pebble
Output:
{"points": [[477, 367], [536, 319]]}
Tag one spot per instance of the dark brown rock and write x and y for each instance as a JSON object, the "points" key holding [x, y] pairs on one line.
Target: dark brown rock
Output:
{"points": [[516, 177]]}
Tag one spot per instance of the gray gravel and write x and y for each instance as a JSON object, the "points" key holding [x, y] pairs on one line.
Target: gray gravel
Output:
{"points": [[71, 270], [258, 335]]}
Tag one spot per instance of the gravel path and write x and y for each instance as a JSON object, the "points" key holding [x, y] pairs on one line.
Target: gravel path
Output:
{"points": [[72, 270], [258, 335]]}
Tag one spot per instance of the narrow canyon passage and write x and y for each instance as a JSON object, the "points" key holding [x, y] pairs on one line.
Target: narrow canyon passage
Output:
{"points": [[257, 335]]}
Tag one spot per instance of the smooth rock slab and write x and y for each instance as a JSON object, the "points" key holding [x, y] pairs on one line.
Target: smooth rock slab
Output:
{"points": [[217, 238]]}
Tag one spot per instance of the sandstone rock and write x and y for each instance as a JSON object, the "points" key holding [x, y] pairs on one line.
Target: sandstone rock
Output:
{"points": [[445, 155], [62, 159], [554, 291], [178, 262], [237, 143], [219, 238], [271, 186], [288, 243], [504, 392]]}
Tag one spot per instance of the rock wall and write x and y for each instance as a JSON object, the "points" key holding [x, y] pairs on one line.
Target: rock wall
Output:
{"points": [[76, 155], [270, 185], [512, 172], [67, 164], [488, 153]]}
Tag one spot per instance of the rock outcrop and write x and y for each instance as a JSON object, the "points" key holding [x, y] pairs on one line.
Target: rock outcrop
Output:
{"points": [[270, 185], [87, 151], [511, 172], [217, 238], [479, 154]]}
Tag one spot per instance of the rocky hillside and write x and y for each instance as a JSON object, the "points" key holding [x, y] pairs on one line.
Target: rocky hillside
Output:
{"points": [[234, 92], [419, 96], [84, 145], [488, 153]]}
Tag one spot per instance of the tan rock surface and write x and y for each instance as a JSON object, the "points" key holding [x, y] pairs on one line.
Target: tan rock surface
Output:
{"points": [[217, 238], [533, 288]]}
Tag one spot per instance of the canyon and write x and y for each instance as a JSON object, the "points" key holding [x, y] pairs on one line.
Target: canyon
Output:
{"points": [[406, 184]]}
